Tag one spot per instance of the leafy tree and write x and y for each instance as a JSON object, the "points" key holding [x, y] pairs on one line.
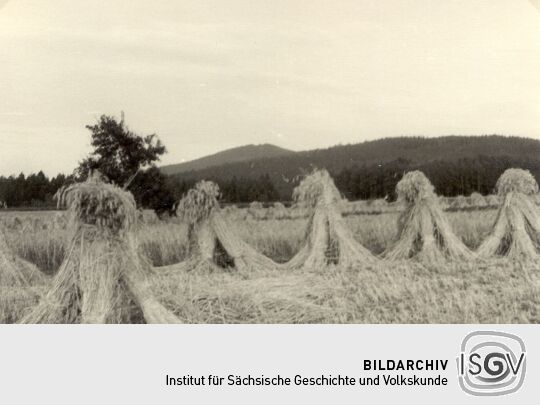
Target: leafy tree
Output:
{"points": [[128, 160], [119, 153], [151, 190]]}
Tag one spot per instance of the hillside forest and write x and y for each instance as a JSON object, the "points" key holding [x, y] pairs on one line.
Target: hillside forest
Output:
{"points": [[272, 180]]}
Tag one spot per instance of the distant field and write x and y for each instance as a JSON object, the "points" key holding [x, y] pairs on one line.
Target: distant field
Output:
{"points": [[478, 292]]}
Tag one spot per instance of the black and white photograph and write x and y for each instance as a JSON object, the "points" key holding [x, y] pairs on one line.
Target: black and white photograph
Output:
{"points": [[270, 162]]}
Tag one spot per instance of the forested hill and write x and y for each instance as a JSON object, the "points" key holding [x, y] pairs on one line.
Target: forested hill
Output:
{"points": [[455, 164], [234, 155]]}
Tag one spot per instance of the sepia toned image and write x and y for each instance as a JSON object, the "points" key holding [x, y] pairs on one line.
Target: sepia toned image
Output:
{"points": [[284, 162]]}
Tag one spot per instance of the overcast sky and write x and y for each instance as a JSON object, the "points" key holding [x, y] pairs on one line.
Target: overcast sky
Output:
{"points": [[301, 74]]}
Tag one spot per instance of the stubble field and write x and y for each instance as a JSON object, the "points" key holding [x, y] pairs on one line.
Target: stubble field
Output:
{"points": [[494, 291]]}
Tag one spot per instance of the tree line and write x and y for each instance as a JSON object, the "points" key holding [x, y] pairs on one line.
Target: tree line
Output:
{"points": [[36, 190], [129, 161], [153, 190]]}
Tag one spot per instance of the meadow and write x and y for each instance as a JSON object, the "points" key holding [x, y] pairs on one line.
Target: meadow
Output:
{"points": [[479, 291]]}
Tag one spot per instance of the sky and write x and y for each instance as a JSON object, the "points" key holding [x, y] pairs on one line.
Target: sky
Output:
{"points": [[208, 75]]}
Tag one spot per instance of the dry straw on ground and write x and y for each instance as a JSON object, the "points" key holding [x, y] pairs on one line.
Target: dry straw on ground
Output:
{"points": [[424, 233], [212, 244], [516, 233], [20, 283], [102, 278], [327, 240]]}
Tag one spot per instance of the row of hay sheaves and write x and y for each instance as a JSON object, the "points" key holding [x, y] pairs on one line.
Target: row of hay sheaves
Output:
{"points": [[104, 278], [278, 211]]}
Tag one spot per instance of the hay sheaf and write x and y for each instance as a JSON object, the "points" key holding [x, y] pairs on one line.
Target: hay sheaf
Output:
{"points": [[212, 246], [413, 187], [315, 189], [516, 232], [95, 203], [102, 279], [199, 202], [327, 241], [516, 181], [424, 233], [477, 200]]}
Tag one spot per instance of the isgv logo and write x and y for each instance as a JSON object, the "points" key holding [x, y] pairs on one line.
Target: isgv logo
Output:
{"points": [[491, 363]]}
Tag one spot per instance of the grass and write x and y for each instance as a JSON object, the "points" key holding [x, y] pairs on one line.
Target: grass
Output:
{"points": [[494, 291]]}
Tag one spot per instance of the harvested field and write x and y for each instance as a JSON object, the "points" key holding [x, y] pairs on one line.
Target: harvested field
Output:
{"points": [[494, 290]]}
